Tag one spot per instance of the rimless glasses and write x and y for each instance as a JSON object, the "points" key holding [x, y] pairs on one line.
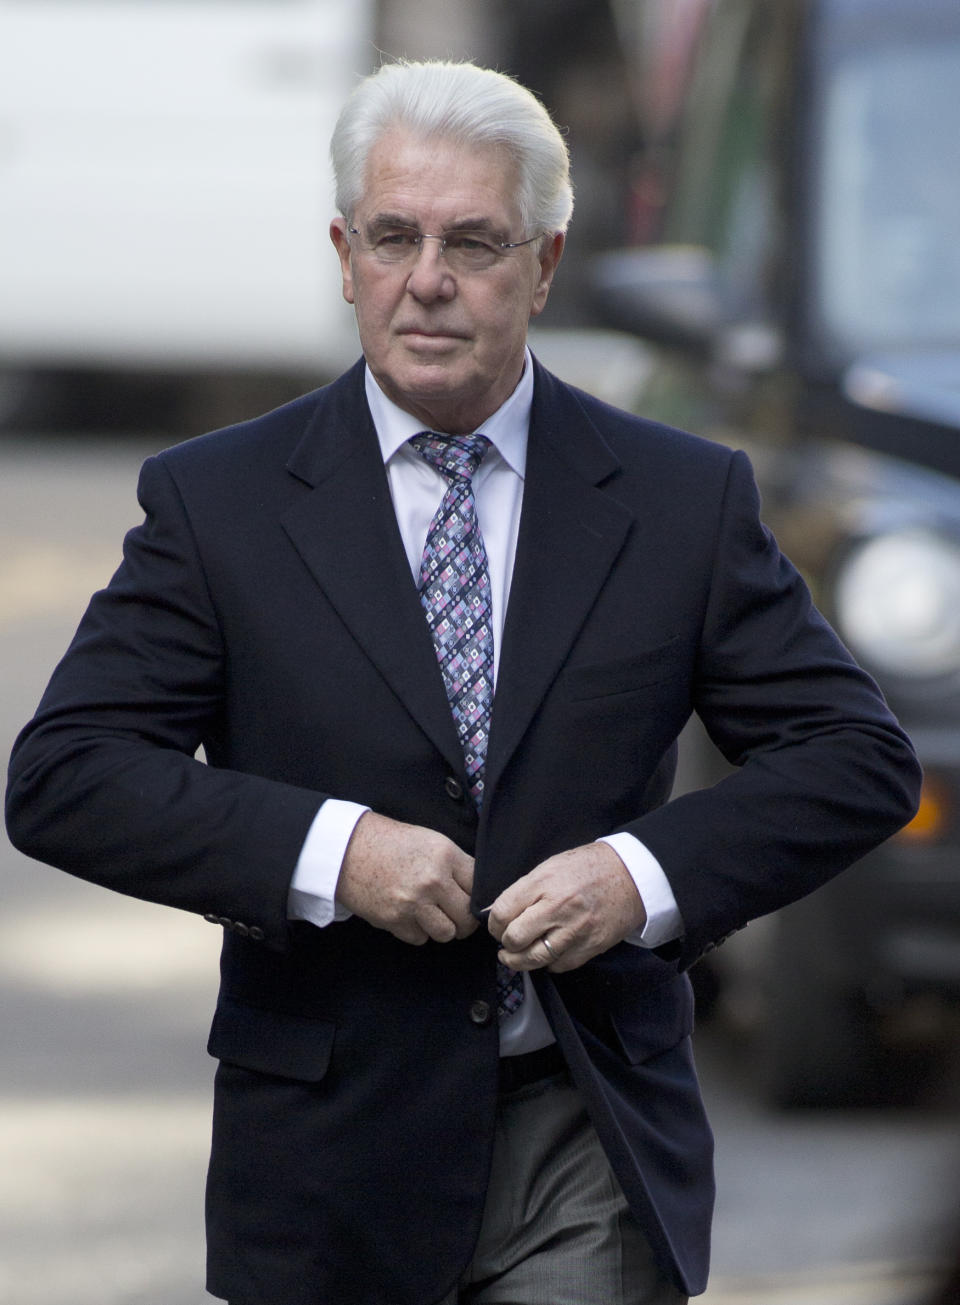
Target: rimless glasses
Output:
{"points": [[463, 251]]}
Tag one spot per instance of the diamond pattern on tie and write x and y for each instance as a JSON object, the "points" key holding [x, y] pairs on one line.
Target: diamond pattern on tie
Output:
{"points": [[455, 594]]}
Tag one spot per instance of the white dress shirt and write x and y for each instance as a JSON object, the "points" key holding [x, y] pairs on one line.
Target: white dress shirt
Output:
{"points": [[417, 489]]}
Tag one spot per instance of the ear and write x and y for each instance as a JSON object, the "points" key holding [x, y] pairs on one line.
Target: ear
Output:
{"points": [[550, 257], [341, 242]]}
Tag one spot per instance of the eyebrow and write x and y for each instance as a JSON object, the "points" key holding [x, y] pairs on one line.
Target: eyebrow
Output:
{"points": [[462, 224]]}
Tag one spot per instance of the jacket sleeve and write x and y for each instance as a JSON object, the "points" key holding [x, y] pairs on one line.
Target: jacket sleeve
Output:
{"points": [[105, 782], [822, 771]]}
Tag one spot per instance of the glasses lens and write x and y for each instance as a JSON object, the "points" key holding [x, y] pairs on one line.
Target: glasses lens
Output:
{"points": [[470, 251], [394, 245]]}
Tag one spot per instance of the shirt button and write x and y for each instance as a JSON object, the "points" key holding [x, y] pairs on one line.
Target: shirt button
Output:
{"points": [[454, 788], [480, 1013]]}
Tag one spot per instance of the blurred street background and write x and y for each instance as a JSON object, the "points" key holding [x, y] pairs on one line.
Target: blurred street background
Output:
{"points": [[164, 268]]}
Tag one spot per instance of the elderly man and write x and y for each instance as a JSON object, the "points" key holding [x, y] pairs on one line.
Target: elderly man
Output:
{"points": [[437, 627]]}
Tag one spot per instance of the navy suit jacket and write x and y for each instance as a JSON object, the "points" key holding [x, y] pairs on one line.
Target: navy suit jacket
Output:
{"points": [[265, 610]]}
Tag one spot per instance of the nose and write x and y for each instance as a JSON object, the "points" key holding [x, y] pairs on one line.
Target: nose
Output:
{"points": [[430, 276]]}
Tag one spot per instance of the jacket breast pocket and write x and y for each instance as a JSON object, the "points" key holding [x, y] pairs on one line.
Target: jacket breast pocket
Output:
{"points": [[271, 1042], [625, 674]]}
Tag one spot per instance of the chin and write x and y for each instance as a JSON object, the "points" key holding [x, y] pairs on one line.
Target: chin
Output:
{"points": [[439, 377]]}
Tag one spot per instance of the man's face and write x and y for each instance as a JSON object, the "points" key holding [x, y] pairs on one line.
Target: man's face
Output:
{"points": [[446, 345]]}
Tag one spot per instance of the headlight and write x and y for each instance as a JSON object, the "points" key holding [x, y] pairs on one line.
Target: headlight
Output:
{"points": [[898, 603]]}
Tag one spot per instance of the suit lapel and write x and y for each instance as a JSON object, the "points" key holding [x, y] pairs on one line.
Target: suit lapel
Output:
{"points": [[346, 532], [570, 535], [571, 532]]}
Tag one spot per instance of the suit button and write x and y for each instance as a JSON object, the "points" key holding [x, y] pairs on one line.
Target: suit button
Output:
{"points": [[256, 933], [225, 921], [480, 1013], [211, 918], [454, 788], [241, 929]]}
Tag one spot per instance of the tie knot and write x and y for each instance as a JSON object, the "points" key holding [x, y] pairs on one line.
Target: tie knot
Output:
{"points": [[456, 457]]}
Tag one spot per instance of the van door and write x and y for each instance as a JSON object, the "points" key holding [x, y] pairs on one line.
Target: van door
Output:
{"points": [[164, 186]]}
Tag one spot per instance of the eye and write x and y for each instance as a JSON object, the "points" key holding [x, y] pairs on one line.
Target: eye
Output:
{"points": [[396, 238], [471, 243]]}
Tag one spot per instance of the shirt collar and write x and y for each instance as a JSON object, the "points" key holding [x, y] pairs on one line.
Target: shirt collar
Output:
{"points": [[507, 429]]}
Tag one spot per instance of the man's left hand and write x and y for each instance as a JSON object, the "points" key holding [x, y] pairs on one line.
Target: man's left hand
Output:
{"points": [[581, 902]]}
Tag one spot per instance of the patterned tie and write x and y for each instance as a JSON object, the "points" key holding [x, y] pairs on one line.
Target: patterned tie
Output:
{"points": [[455, 594]]}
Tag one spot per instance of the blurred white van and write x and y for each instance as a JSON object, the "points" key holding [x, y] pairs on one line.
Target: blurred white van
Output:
{"points": [[164, 186]]}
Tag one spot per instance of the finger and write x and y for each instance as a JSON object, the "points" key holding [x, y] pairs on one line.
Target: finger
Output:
{"points": [[537, 955], [407, 930], [571, 958], [523, 932], [463, 872], [435, 923], [468, 926], [520, 897], [495, 924], [511, 902], [463, 921], [534, 958], [455, 905], [446, 913], [548, 947]]}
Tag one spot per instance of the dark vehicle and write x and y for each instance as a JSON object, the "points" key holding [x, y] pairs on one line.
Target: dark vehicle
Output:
{"points": [[804, 304]]}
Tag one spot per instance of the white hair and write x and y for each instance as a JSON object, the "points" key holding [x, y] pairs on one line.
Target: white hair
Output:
{"points": [[470, 105]]}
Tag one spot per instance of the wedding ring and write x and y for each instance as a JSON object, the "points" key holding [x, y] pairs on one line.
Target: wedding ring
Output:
{"points": [[546, 942]]}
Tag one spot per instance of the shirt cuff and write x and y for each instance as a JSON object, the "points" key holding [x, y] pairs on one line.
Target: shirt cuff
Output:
{"points": [[664, 921], [312, 892]]}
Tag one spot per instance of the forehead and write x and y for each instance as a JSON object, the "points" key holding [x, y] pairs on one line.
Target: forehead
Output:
{"points": [[431, 182]]}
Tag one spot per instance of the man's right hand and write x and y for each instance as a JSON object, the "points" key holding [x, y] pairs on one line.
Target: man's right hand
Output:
{"points": [[409, 880]]}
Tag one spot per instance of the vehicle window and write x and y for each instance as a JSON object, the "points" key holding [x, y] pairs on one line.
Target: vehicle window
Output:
{"points": [[726, 196], [888, 213]]}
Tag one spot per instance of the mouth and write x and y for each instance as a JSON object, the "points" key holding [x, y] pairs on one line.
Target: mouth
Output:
{"points": [[421, 337]]}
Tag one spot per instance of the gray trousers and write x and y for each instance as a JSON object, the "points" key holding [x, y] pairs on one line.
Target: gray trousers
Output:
{"points": [[556, 1229]]}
